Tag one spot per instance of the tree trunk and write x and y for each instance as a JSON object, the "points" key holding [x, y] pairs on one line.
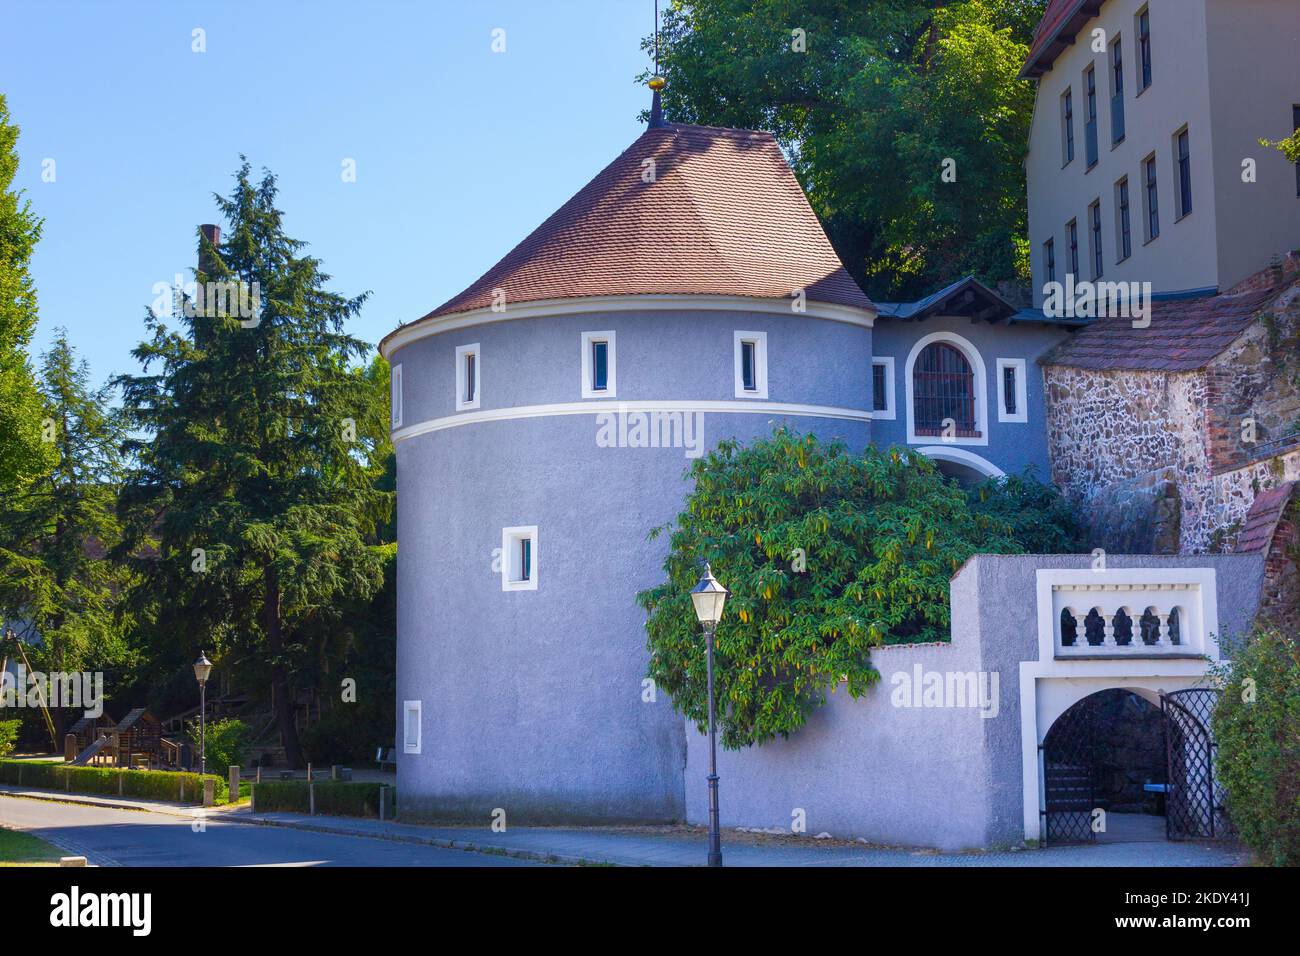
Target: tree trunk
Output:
{"points": [[279, 678]]}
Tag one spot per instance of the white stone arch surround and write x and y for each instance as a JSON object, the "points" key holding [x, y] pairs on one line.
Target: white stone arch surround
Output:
{"points": [[968, 349], [961, 456]]}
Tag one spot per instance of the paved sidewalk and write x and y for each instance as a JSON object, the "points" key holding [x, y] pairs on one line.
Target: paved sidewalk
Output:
{"points": [[118, 803]]}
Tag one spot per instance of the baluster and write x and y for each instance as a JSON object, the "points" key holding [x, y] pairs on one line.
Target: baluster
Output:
{"points": [[1162, 632], [1108, 630]]}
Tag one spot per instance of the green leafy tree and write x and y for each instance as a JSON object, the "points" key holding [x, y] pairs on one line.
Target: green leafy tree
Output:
{"points": [[827, 554], [1036, 515], [251, 482], [881, 96], [1257, 729], [225, 743], [23, 454], [54, 531]]}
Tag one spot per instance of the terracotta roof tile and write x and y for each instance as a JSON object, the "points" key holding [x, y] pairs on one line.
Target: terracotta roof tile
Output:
{"points": [[1184, 335], [1262, 519], [723, 216]]}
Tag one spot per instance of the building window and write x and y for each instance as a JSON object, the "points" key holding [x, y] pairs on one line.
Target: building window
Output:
{"points": [[1144, 45], [467, 377], [519, 558], [1152, 197], [395, 396], [598, 365], [882, 387], [1012, 403], [1067, 127], [751, 364], [1124, 236], [1094, 237], [1116, 92], [1049, 259], [943, 392], [1183, 166], [411, 726], [1090, 122], [1072, 242]]}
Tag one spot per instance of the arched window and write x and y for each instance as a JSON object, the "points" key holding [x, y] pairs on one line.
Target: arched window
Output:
{"points": [[943, 387]]}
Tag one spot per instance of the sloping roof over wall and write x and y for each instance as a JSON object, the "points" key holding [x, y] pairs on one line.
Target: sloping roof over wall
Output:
{"points": [[1182, 336], [1056, 31], [968, 297], [724, 215], [1262, 520]]}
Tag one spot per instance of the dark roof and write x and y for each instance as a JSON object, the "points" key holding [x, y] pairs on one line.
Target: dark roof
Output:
{"points": [[134, 717], [1262, 520], [724, 215], [1056, 31], [1182, 336], [970, 298]]}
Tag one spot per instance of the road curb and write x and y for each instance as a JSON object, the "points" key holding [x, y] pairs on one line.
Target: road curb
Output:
{"points": [[59, 796]]}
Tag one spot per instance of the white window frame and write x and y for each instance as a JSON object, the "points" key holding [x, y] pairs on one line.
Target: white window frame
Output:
{"points": [[409, 707], [461, 352], [760, 364], [1022, 409], [588, 388], [889, 412], [510, 538], [395, 396], [980, 385]]}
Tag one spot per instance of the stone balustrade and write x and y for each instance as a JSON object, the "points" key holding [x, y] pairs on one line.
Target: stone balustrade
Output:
{"points": [[1128, 619]]}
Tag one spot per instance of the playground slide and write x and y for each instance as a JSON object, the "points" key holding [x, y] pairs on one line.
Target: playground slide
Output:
{"points": [[84, 757]]}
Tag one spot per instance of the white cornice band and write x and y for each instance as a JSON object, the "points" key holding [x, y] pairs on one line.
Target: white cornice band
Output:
{"points": [[580, 305], [728, 407]]}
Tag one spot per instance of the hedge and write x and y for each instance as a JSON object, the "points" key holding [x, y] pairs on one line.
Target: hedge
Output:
{"points": [[111, 781], [335, 798]]}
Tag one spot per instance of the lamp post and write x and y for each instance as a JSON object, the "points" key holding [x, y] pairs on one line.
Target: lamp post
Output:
{"points": [[708, 597], [202, 668]]}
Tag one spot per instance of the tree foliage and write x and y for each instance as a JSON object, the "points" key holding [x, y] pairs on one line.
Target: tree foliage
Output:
{"points": [[882, 94], [23, 455], [258, 483], [1035, 514], [827, 554], [1257, 728]]}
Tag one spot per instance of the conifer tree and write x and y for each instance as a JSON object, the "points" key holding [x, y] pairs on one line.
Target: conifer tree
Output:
{"points": [[248, 473]]}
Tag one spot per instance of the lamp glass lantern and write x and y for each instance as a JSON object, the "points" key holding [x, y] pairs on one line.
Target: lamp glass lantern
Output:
{"points": [[709, 596], [202, 668]]}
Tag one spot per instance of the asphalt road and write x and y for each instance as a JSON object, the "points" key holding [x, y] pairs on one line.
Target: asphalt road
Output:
{"points": [[108, 837]]}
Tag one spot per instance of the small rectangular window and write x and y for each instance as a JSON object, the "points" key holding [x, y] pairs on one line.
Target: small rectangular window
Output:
{"points": [[1049, 260], [1067, 127], [1124, 235], [1090, 121], [1116, 92], [751, 364], [1144, 45], [395, 399], [599, 365], [1072, 243], [1183, 154], [411, 726], [882, 387], [1094, 222], [1012, 398], [519, 558], [467, 377], [1152, 199]]}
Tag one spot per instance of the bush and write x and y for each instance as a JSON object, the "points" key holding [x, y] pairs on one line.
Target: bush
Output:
{"points": [[8, 734], [226, 743], [1034, 514], [827, 554], [1257, 728], [111, 781], [336, 798]]}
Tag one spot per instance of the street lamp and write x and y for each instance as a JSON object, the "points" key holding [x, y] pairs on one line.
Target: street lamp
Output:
{"points": [[202, 668], [708, 597]]}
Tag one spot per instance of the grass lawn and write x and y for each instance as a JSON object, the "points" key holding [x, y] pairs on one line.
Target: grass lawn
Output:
{"points": [[23, 849]]}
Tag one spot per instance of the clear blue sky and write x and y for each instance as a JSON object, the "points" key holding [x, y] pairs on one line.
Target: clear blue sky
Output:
{"points": [[460, 152]]}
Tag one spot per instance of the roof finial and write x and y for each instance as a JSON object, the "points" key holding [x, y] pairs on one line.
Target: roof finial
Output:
{"points": [[657, 82]]}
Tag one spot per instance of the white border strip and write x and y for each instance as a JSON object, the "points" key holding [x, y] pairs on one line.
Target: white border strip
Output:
{"points": [[595, 408], [578, 305]]}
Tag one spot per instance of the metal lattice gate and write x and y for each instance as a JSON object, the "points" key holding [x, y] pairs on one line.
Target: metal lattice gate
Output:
{"points": [[1194, 799], [1069, 775]]}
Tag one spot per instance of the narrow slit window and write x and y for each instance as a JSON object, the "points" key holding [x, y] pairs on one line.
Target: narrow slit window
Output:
{"points": [[467, 377], [878, 387], [396, 396], [1116, 92], [1094, 216], [1122, 219], [519, 558], [751, 364], [1012, 398], [1152, 197], [1090, 120], [1184, 174], [1049, 259], [411, 726], [1144, 45], [1072, 237], [599, 366], [1009, 389], [749, 370], [1067, 127], [470, 377]]}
